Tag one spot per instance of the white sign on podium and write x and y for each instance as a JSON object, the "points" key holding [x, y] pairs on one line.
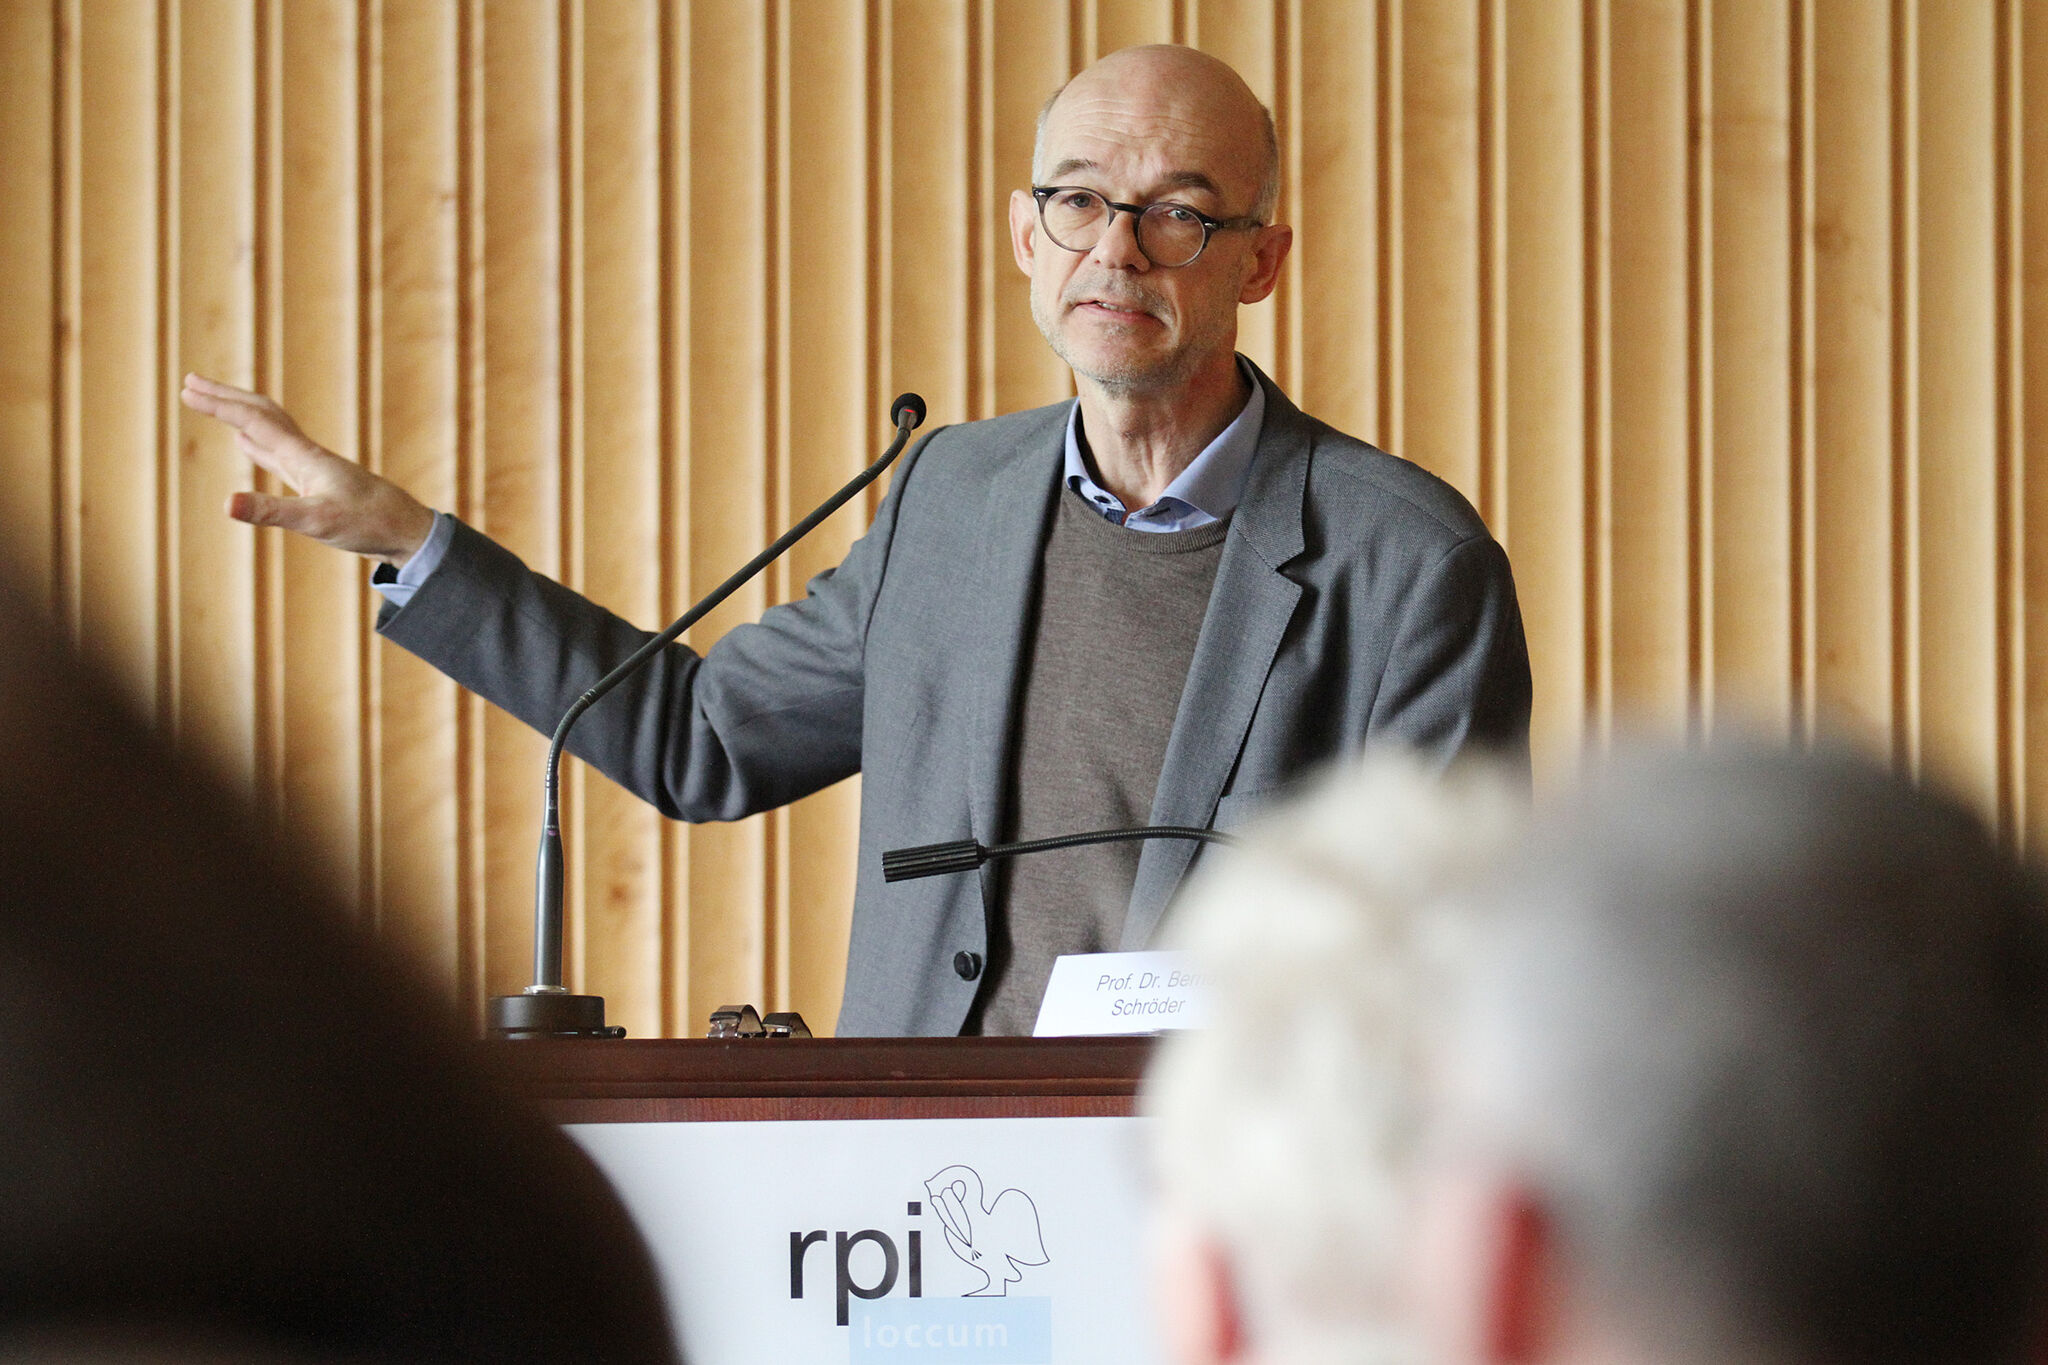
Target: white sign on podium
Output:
{"points": [[1113, 993], [991, 1241]]}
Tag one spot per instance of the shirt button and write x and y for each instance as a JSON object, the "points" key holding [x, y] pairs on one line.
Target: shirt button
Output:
{"points": [[967, 966]]}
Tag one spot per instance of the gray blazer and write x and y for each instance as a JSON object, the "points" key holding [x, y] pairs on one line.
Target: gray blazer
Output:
{"points": [[1358, 598]]}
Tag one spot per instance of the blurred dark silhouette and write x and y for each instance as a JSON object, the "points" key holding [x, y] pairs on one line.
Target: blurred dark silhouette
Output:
{"points": [[230, 1127]]}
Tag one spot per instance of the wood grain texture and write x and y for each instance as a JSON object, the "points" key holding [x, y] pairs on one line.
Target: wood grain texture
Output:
{"points": [[29, 389], [1723, 311]]}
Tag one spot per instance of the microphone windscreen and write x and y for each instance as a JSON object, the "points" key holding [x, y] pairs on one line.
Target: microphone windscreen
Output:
{"points": [[911, 403]]}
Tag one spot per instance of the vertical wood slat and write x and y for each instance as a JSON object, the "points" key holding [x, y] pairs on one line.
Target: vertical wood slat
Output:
{"points": [[1906, 732], [1287, 105], [414, 439], [2008, 144], [29, 121], [1031, 40], [1440, 172], [1750, 215], [1647, 341], [1957, 528], [473, 882], [115, 496], [1126, 23], [930, 318], [67, 344], [1750, 411], [1545, 516], [1337, 242], [2031, 270], [318, 377], [830, 430], [674, 53], [725, 492], [209, 211], [1245, 34], [1852, 491], [1597, 382], [617, 380], [519, 411]]}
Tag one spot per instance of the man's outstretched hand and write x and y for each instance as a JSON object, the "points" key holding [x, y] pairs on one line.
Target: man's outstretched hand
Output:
{"points": [[338, 502]]}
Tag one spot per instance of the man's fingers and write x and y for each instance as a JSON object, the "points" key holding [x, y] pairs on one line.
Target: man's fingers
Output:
{"points": [[267, 457], [239, 413], [263, 509], [212, 388], [310, 516]]}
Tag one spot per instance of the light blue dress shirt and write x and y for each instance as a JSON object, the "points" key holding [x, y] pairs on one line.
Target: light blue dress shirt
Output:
{"points": [[1206, 491]]}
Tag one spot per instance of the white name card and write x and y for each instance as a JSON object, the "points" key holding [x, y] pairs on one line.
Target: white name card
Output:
{"points": [[1096, 993]]}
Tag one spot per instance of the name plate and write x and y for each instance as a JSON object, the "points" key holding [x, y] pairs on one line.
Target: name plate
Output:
{"points": [[1103, 993]]}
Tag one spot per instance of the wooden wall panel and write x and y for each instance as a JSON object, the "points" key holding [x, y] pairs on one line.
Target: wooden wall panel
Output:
{"points": [[414, 434], [1544, 521], [1034, 45], [2028, 276], [1245, 33], [520, 417], [1642, 658], [1853, 493], [924, 332], [1748, 298], [29, 123], [1723, 311], [113, 514], [614, 458], [1439, 233], [828, 432], [1338, 243], [209, 324], [1956, 474], [733, 148], [314, 365]]}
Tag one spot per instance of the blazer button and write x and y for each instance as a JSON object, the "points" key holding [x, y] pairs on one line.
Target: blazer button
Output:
{"points": [[967, 966]]}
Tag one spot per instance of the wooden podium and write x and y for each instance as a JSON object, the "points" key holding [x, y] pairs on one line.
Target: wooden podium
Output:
{"points": [[859, 1201], [740, 1079]]}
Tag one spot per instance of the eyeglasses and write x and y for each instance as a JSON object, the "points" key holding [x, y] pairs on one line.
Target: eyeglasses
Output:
{"points": [[1169, 234]]}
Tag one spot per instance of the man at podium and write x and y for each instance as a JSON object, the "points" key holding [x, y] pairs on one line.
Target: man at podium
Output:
{"points": [[1158, 603]]}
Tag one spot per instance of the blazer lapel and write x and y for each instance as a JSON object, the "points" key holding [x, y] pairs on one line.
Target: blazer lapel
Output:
{"points": [[1249, 610], [1013, 519]]}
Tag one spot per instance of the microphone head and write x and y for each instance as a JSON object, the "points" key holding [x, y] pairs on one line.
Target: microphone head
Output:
{"points": [[907, 411]]}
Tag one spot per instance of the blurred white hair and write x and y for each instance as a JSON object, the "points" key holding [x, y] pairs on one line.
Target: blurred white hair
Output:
{"points": [[1286, 1126]]}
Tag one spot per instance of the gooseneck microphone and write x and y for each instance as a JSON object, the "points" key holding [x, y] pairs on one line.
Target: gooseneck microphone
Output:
{"points": [[546, 1009], [965, 855]]}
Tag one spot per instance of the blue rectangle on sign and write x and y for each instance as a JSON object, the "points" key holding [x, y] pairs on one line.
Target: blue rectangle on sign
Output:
{"points": [[955, 1331]]}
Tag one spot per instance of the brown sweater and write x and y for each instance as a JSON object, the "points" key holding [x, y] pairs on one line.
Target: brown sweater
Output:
{"points": [[1118, 615]]}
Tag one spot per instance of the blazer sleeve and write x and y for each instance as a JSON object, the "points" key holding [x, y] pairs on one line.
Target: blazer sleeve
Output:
{"points": [[771, 713], [1458, 674]]}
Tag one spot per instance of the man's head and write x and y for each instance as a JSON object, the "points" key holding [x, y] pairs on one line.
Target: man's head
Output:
{"points": [[1751, 1063], [1285, 1128], [1143, 125]]}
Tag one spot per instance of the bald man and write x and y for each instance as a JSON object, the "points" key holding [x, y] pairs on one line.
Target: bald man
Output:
{"points": [[1158, 603]]}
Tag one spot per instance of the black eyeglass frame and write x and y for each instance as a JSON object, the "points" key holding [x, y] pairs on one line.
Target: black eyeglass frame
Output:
{"points": [[1210, 226]]}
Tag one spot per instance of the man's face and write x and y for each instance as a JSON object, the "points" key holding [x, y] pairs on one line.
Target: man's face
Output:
{"points": [[1136, 134]]}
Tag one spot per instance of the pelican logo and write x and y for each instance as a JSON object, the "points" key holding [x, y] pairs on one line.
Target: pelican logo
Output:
{"points": [[998, 1237]]}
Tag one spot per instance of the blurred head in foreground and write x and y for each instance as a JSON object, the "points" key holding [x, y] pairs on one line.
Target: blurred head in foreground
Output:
{"points": [[229, 1129], [1286, 1129], [1751, 1064]]}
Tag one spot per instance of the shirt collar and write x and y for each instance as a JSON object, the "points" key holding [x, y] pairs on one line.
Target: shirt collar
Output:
{"points": [[1211, 486]]}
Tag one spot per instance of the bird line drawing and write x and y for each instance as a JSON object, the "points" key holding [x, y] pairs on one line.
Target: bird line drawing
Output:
{"points": [[997, 1237]]}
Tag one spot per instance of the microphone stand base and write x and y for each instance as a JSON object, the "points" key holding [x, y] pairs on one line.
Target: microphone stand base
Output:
{"points": [[547, 1014]]}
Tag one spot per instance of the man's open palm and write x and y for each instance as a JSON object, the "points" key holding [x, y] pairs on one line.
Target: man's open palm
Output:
{"points": [[336, 502]]}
